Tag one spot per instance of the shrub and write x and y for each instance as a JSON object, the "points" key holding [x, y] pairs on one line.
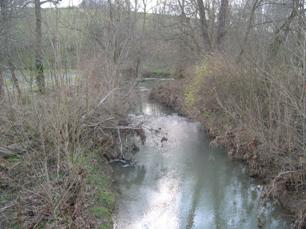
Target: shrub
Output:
{"points": [[50, 184], [261, 107]]}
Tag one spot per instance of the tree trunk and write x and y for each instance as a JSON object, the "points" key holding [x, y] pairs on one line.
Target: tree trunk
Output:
{"points": [[248, 30], [180, 63], [7, 41], [14, 78], [221, 23], [282, 32], [1, 84], [40, 78], [204, 26], [301, 37], [141, 45]]}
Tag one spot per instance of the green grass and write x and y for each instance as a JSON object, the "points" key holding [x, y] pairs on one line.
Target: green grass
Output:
{"points": [[157, 73], [103, 198], [206, 114], [192, 89], [8, 83], [101, 212], [14, 158], [106, 198]]}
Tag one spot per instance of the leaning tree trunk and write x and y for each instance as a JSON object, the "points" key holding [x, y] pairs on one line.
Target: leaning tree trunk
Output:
{"points": [[221, 23], [282, 32], [40, 78], [248, 30], [204, 26]]}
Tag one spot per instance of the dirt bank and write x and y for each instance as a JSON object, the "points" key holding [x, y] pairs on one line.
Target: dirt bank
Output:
{"points": [[279, 177]]}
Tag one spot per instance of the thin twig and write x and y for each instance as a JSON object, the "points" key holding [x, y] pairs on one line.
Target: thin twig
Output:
{"points": [[119, 136]]}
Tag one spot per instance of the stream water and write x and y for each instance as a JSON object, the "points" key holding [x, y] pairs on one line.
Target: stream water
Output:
{"points": [[182, 182]]}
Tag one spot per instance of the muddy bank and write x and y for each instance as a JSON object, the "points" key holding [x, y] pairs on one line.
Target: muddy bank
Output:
{"points": [[280, 181]]}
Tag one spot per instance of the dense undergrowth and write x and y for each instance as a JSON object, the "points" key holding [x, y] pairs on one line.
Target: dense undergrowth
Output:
{"points": [[257, 114], [54, 172]]}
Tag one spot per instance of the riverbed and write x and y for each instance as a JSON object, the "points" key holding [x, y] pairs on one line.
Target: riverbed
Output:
{"points": [[179, 181]]}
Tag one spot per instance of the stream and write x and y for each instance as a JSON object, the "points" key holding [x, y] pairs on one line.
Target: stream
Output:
{"points": [[183, 183]]}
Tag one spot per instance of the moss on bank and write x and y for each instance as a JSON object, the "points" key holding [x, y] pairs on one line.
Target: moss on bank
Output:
{"points": [[101, 196]]}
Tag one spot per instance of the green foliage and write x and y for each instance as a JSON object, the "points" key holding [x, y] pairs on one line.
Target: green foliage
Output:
{"points": [[157, 73], [161, 73], [105, 214], [206, 114], [107, 198], [101, 212], [14, 158], [190, 96], [104, 198], [192, 89], [8, 82]]}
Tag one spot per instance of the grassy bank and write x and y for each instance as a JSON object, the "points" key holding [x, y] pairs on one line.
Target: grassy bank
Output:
{"points": [[81, 199], [256, 116]]}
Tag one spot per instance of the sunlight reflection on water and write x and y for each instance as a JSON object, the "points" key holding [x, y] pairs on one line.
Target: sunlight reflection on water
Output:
{"points": [[182, 183]]}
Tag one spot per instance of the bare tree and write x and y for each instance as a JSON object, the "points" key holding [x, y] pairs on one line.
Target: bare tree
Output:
{"points": [[249, 27], [204, 26], [6, 11], [222, 22], [281, 33], [141, 39], [40, 78]]}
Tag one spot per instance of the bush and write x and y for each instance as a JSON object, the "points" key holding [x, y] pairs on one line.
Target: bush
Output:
{"points": [[56, 182], [261, 108]]}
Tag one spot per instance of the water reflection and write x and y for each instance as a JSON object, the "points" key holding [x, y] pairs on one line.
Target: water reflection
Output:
{"points": [[130, 175], [182, 183]]}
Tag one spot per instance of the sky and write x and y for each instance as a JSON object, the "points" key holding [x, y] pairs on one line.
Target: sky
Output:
{"points": [[67, 3]]}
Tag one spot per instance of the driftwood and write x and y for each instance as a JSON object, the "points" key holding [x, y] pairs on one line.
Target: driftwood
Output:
{"points": [[123, 162], [14, 149]]}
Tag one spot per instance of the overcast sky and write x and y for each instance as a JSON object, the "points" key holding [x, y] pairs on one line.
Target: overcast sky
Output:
{"points": [[67, 3]]}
